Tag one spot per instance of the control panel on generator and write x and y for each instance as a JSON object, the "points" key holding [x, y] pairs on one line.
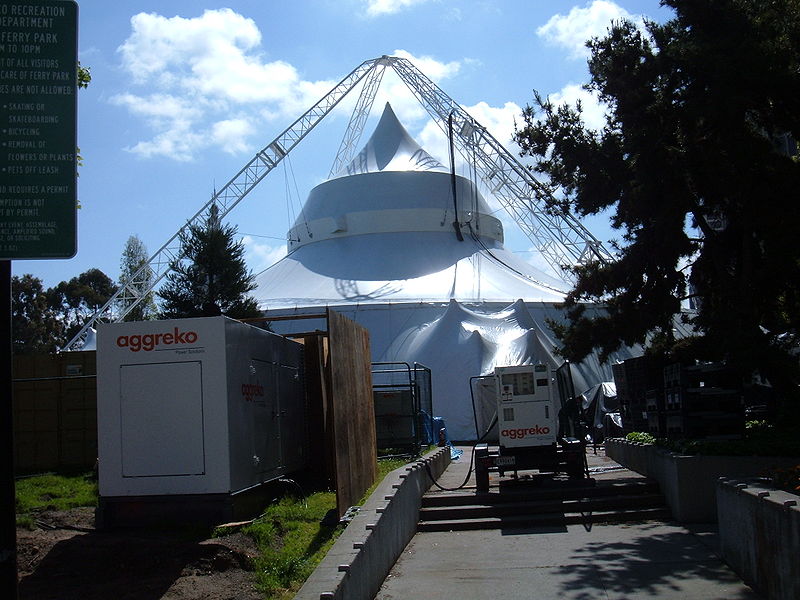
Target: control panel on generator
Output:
{"points": [[526, 410]]}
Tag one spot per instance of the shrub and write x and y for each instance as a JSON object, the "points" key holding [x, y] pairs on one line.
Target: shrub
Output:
{"points": [[641, 437]]}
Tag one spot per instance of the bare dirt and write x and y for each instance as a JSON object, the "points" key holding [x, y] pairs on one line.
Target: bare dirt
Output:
{"points": [[67, 558]]}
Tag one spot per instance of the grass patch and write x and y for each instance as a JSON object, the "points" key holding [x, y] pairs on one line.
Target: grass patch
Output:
{"points": [[387, 465], [52, 492], [293, 537], [292, 540]]}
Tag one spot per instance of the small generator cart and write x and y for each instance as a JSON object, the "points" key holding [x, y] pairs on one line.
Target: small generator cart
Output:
{"points": [[538, 422]]}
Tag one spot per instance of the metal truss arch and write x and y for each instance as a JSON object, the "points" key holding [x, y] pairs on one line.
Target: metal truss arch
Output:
{"points": [[558, 235]]}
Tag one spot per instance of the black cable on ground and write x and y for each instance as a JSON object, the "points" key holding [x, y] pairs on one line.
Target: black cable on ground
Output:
{"points": [[471, 462], [469, 474]]}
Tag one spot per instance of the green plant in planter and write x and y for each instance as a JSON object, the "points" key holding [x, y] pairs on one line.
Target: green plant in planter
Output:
{"points": [[758, 427], [640, 437]]}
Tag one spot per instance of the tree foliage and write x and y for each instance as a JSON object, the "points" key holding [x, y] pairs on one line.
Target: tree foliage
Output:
{"points": [[35, 325], [212, 278], [134, 257], [78, 299], [44, 320], [84, 76], [695, 163]]}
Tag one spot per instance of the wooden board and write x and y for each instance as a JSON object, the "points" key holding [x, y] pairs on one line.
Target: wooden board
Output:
{"points": [[351, 412]]}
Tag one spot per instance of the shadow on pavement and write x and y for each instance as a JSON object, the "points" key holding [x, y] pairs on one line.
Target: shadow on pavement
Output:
{"points": [[646, 563]]}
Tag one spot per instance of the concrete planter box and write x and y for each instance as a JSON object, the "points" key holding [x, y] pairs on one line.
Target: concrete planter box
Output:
{"points": [[362, 557], [759, 533], [689, 482]]}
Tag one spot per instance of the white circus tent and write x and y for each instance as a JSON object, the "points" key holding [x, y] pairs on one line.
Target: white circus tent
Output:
{"points": [[413, 253]]}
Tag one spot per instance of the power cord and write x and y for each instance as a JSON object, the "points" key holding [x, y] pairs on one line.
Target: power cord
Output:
{"points": [[471, 462]]}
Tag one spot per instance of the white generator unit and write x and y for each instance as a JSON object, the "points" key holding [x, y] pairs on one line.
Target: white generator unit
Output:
{"points": [[199, 410], [526, 414], [536, 426]]}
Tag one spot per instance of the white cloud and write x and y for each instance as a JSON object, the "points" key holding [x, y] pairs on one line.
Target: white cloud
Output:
{"points": [[159, 107], [201, 69], [232, 134], [594, 111], [158, 43], [573, 30], [432, 68], [259, 256], [376, 8], [179, 143], [499, 121]]}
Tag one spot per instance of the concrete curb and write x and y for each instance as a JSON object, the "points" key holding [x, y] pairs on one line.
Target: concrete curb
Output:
{"points": [[365, 552], [759, 534], [689, 482]]}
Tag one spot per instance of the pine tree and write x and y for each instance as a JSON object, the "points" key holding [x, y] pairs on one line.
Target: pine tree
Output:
{"points": [[134, 256], [699, 112], [212, 278]]}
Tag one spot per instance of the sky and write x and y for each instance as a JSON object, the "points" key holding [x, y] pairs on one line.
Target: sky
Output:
{"points": [[183, 94]]}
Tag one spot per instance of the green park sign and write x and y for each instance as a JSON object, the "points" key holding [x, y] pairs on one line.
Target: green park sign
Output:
{"points": [[38, 141]]}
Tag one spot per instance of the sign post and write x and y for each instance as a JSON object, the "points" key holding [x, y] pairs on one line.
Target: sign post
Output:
{"points": [[38, 187]]}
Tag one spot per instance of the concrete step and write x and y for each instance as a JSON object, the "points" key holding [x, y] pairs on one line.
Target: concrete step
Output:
{"points": [[553, 491], [546, 520], [482, 510]]}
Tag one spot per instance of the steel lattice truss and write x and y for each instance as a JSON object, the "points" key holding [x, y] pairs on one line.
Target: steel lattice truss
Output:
{"points": [[558, 235], [560, 238], [359, 117]]}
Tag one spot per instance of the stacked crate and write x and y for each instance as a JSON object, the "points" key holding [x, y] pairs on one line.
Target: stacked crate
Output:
{"points": [[703, 402], [674, 384], [638, 382], [654, 400]]}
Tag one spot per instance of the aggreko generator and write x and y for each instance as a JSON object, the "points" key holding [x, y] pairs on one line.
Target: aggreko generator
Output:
{"points": [[539, 426]]}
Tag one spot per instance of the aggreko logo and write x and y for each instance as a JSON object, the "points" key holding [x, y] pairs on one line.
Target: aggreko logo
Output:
{"points": [[149, 341], [251, 390], [522, 432]]}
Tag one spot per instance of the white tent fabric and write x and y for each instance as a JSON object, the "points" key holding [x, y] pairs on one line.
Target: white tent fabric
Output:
{"points": [[395, 267], [379, 244], [597, 402], [91, 340], [384, 232], [458, 341], [463, 341]]}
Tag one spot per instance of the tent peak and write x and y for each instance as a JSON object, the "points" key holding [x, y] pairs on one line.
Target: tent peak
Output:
{"points": [[391, 148]]}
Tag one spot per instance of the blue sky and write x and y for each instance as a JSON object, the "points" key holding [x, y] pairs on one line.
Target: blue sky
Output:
{"points": [[183, 94]]}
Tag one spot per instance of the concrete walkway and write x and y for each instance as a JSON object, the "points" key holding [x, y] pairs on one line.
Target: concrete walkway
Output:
{"points": [[621, 561]]}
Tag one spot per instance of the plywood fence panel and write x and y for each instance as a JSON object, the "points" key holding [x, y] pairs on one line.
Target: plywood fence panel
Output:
{"points": [[351, 410]]}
